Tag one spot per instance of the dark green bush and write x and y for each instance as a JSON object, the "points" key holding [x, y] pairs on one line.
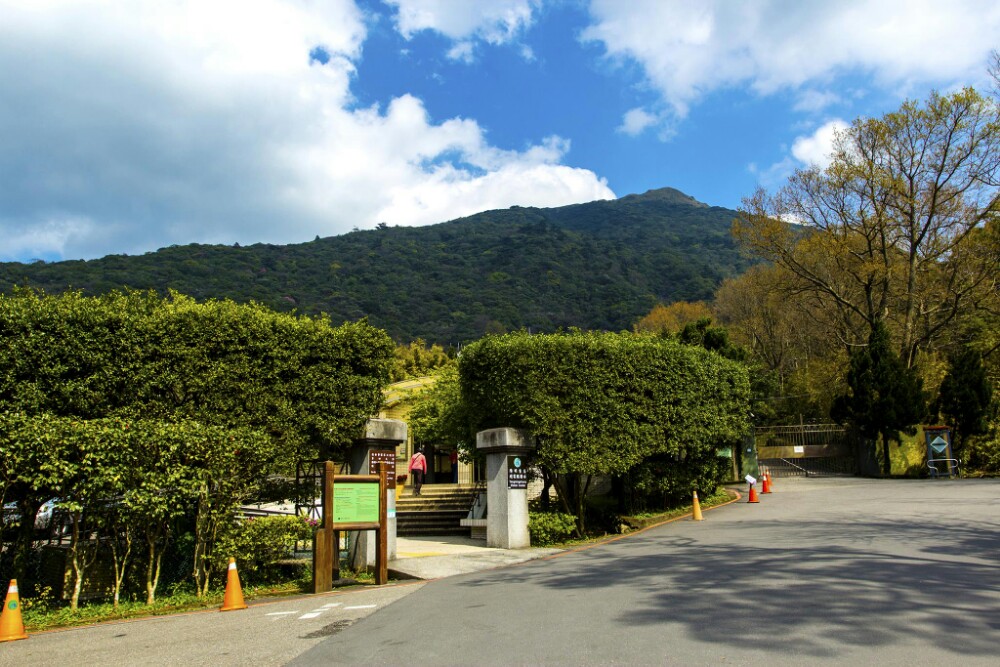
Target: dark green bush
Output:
{"points": [[550, 527], [662, 482], [259, 544]]}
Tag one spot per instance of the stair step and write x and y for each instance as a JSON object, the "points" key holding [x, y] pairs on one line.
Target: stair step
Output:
{"points": [[436, 511]]}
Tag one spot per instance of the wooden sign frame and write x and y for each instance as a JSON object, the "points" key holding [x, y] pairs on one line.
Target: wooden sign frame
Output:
{"points": [[326, 542]]}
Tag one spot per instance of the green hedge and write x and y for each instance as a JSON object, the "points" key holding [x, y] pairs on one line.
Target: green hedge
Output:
{"points": [[600, 403], [259, 544], [550, 527]]}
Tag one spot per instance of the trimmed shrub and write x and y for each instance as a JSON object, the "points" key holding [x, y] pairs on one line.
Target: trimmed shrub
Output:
{"points": [[550, 527], [259, 544]]}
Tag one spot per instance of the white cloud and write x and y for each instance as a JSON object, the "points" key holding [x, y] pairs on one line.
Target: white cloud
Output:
{"points": [[689, 49], [467, 23], [812, 100], [816, 148], [463, 51], [636, 121], [807, 150], [150, 123], [494, 21]]}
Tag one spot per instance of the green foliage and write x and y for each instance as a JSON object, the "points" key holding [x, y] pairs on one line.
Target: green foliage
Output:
{"points": [[966, 395], [418, 360], [307, 384], [598, 266], [438, 415], [601, 403], [129, 480], [885, 396], [258, 544], [712, 338], [982, 453], [550, 527], [156, 409], [666, 481]]}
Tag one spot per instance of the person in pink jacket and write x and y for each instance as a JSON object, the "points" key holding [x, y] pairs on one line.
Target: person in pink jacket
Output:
{"points": [[417, 469]]}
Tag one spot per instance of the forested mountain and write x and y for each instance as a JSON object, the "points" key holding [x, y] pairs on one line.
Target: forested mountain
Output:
{"points": [[599, 265]]}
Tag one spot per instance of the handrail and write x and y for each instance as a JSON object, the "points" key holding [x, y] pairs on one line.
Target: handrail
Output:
{"points": [[797, 467], [477, 490], [952, 466]]}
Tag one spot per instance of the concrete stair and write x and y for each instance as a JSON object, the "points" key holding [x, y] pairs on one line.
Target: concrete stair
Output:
{"points": [[438, 510]]}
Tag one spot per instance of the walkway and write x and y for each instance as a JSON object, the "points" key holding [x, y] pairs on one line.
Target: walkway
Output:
{"points": [[436, 557]]}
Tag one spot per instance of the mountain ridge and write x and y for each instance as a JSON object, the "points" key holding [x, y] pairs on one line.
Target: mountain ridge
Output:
{"points": [[596, 265]]}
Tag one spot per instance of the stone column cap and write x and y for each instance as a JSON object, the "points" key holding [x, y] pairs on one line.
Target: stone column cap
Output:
{"points": [[384, 429], [506, 439]]}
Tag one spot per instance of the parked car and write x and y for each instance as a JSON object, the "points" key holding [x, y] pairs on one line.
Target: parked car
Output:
{"points": [[43, 518]]}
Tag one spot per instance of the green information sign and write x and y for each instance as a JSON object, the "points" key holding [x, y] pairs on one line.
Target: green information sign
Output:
{"points": [[355, 502]]}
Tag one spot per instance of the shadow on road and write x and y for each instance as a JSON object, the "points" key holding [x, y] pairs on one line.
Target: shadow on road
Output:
{"points": [[944, 588]]}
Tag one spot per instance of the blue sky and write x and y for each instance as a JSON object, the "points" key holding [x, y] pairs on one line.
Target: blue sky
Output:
{"points": [[133, 125]]}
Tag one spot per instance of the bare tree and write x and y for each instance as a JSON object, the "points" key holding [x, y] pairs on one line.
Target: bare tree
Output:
{"points": [[885, 232]]}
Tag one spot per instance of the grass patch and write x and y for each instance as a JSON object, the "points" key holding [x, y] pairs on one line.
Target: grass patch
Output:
{"points": [[646, 519], [41, 612]]}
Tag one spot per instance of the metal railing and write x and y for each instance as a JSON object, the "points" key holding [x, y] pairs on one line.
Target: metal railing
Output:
{"points": [[797, 467], [811, 467], [477, 496], [952, 467]]}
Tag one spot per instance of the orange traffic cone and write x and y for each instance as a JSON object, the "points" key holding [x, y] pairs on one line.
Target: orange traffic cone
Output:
{"points": [[753, 495], [697, 509], [11, 625], [766, 484], [770, 483], [233, 599]]}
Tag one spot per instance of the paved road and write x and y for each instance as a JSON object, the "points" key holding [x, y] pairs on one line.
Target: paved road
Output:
{"points": [[271, 633], [839, 572], [821, 572]]}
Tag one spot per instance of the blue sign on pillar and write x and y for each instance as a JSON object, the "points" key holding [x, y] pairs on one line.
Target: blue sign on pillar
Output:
{"points": [[517, 473]]}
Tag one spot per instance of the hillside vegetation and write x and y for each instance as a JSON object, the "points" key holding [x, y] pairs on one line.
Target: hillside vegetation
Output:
{"points": [[599, 265]]}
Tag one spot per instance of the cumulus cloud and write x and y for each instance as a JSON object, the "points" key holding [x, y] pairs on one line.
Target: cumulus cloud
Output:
{"points": [[815, 100], [816, 148], [807, 150], [689, 49], [496, 21], [154, 123], [636, 121]]}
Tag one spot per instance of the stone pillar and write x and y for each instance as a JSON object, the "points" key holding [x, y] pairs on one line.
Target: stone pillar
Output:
{"points": [[506, 508], [378, 434]]}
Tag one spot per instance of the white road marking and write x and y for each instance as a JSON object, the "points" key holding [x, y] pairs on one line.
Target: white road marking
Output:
{"points": [[312, 614], [331, 605], [361, 606], [282, 613]]}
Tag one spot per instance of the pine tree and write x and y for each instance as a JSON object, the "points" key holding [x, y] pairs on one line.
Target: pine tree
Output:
{"points": [[884, 396], [966, 396]]}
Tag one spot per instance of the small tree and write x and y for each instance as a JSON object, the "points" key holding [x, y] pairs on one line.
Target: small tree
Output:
{"points": [[966, 397], [884, 396], [438, 415], [601, 403]]}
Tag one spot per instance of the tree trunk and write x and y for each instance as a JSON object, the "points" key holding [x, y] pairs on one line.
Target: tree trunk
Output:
{"points": [[200, 545], [886, 461], [546, 486], [153, 566], [28, 507], [562, 483], [75, 561], [120, 562]]}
